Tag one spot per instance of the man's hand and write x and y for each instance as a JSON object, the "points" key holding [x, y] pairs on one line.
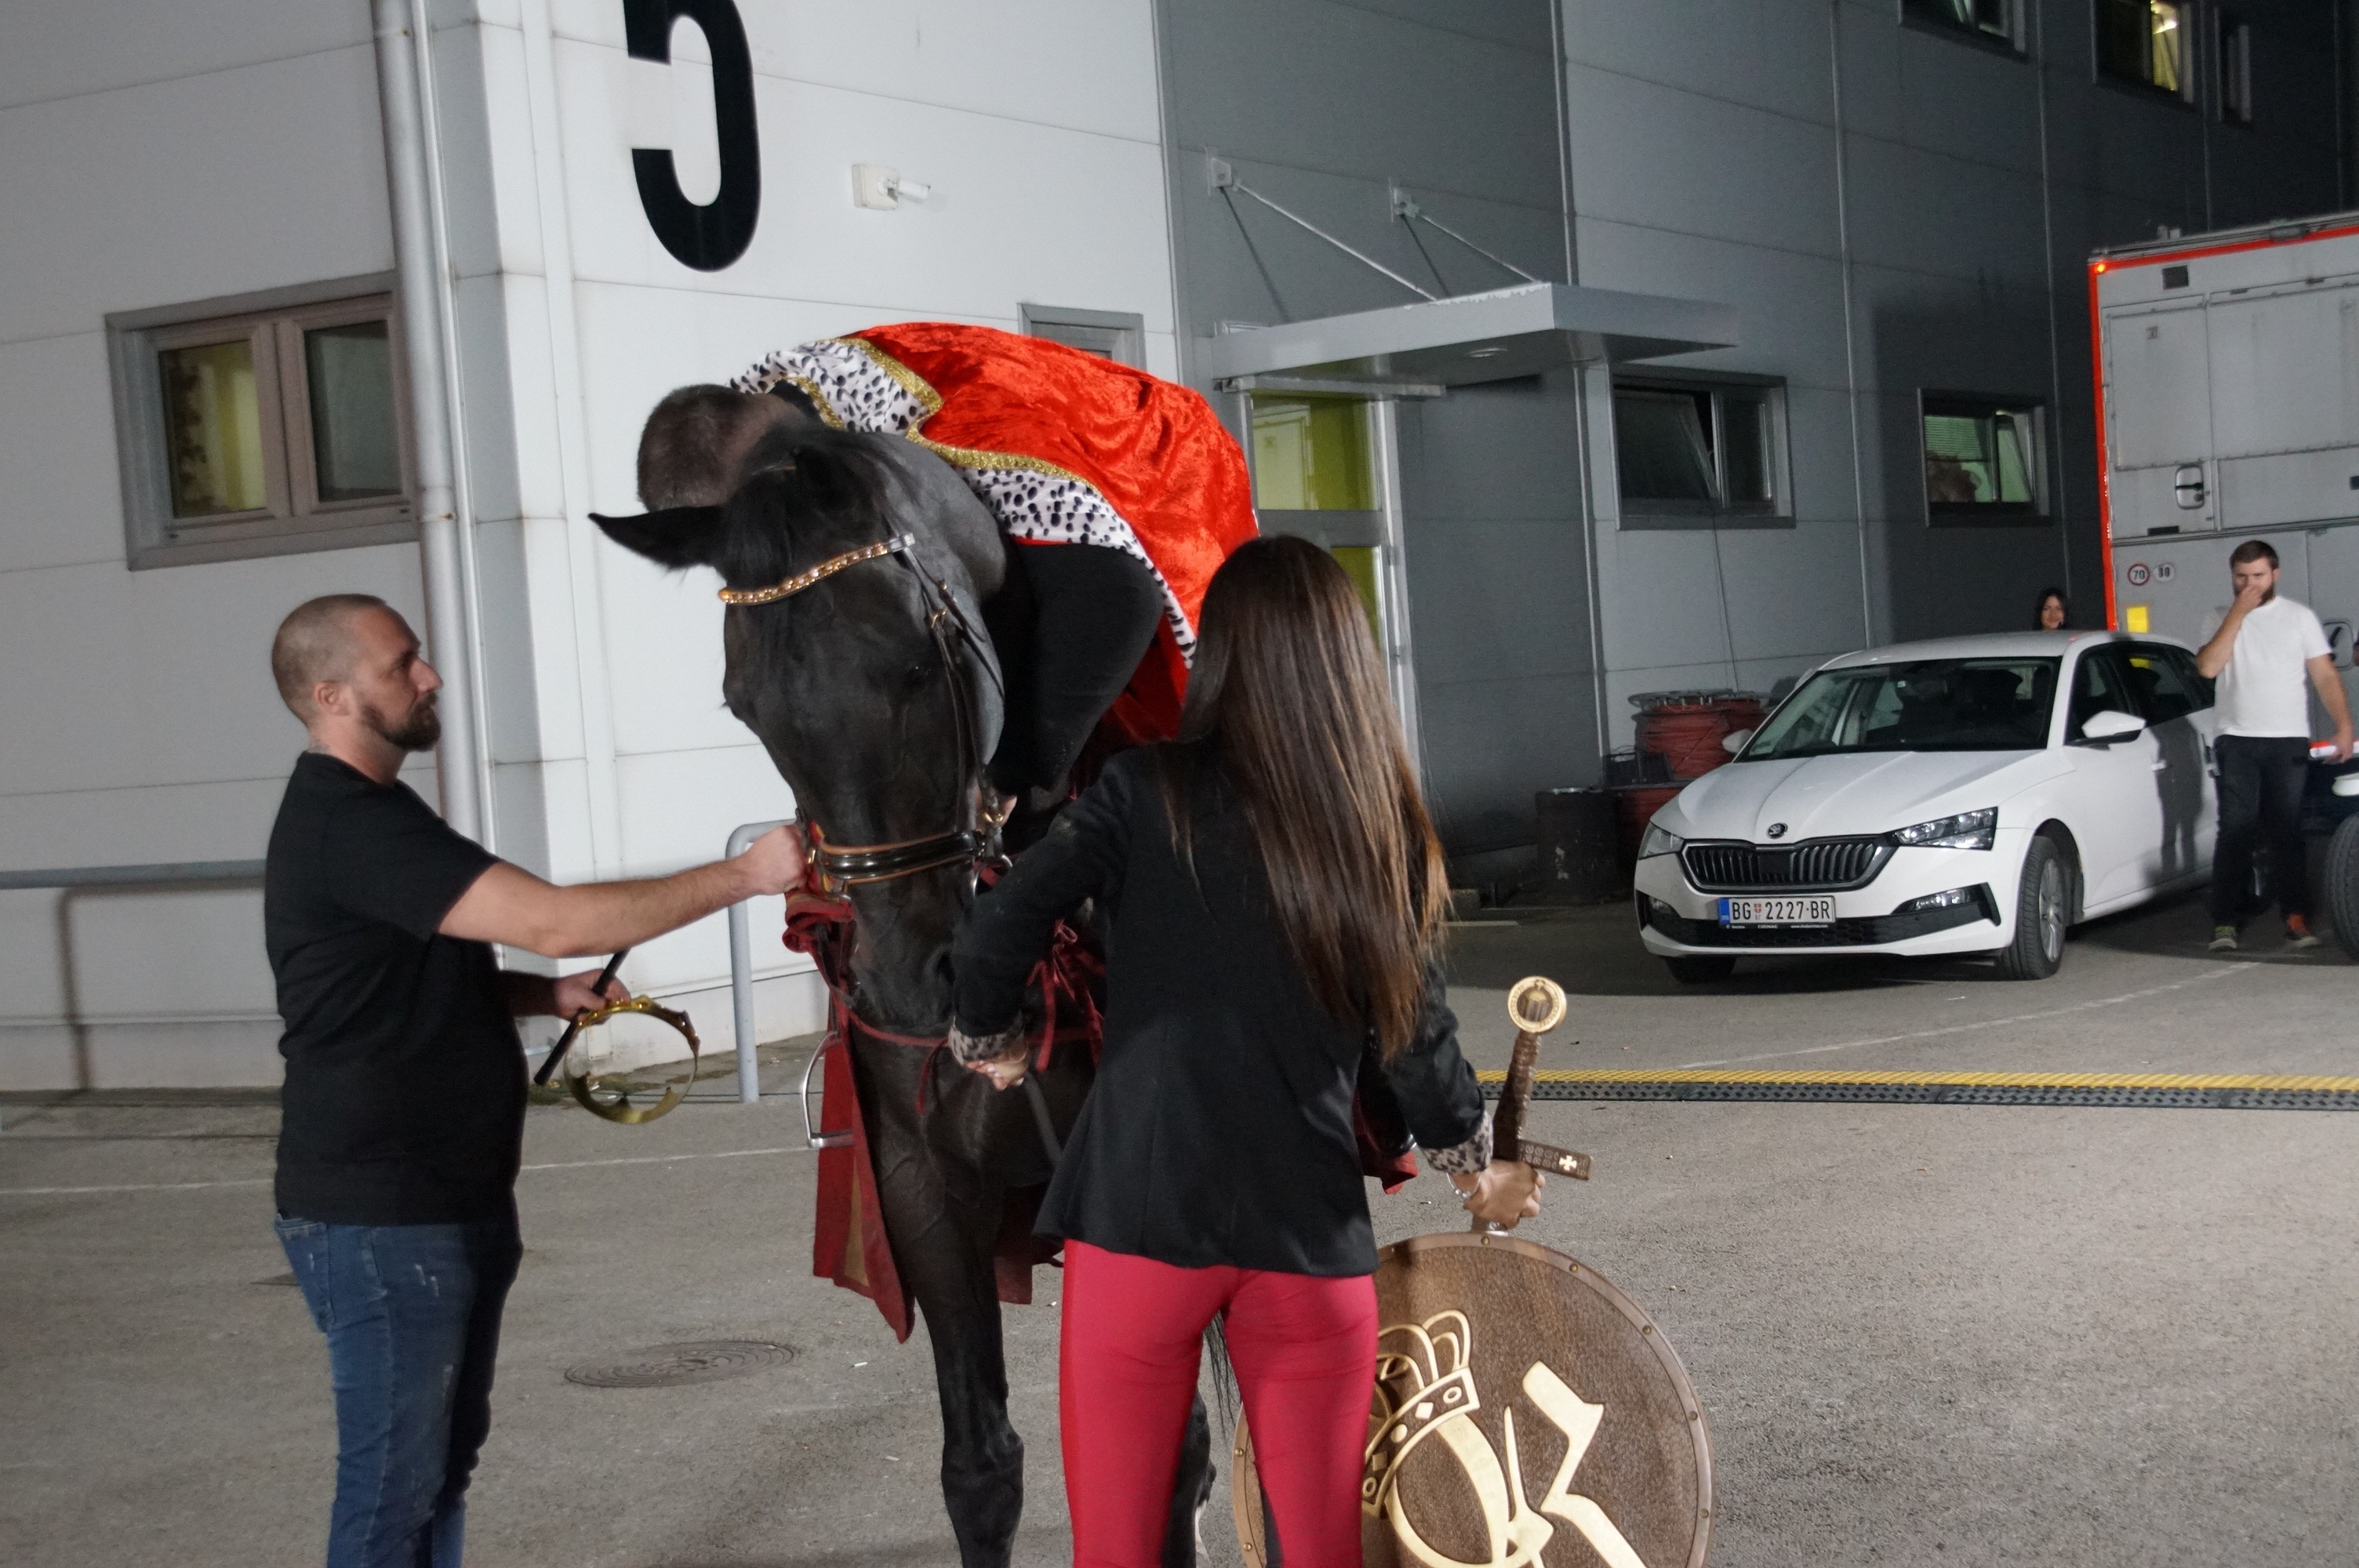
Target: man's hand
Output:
{"points": [[514, 907], [573, 994], [2328, 680], [773, 862], [1509, 1190], [2249, 598]]}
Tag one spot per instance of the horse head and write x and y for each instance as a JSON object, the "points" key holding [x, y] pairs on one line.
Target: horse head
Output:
{"points": [[878, 723]]}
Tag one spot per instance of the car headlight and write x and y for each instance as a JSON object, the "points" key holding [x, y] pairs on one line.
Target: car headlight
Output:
{"points": [[1658, 841], [1967, 830]]}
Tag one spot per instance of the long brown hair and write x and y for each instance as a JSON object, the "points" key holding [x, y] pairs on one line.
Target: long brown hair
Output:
{"points": [[1289, 692]]}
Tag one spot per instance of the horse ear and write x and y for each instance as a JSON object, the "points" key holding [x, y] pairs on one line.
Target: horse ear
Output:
{"points": [[676, 536]]}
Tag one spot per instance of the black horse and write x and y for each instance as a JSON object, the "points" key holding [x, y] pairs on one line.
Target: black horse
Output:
{"points": [[879, 715]]}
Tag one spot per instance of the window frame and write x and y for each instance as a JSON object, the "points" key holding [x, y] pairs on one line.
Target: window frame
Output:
{"points": [[2187, 670], [2110, 658], [2034, 514], [1120, 335], [1777, 512], [2192, 66], [2232, 69], [295, 520], [1932, 16]]}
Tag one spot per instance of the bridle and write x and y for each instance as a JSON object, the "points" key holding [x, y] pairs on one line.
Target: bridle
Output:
{"points": [[842, 866]]}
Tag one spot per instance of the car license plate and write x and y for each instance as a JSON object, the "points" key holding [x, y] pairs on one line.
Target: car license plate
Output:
{"points": [[1777, 912]]}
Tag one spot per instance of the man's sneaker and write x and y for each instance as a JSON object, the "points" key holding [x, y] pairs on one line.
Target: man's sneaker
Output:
{"points": [[2224, 939], [2298, 934]]}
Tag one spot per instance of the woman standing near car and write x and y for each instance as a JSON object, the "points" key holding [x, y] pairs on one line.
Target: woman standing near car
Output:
{"points": [[1273, 895]]}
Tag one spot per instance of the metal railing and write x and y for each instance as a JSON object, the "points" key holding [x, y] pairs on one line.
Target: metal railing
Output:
{"points": [[169, 873], [187, 873], [76, 880], [741, 971]]}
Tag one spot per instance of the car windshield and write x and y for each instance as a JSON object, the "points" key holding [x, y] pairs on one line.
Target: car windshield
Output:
{"points": [[1926, 705]]}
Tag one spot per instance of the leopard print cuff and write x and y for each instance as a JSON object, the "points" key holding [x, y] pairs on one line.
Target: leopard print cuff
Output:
{"points": [[970, 1049], [1471, 1158]]}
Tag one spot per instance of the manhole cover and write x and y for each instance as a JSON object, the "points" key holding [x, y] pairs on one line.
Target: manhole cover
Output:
{"points": [[665, 1366]]}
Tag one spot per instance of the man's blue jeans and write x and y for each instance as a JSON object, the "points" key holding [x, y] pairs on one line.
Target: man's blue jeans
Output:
{"points": [[412, 1316]]}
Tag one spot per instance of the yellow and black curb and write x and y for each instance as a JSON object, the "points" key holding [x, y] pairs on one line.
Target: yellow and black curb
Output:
{"points": [[2181, 1091]]}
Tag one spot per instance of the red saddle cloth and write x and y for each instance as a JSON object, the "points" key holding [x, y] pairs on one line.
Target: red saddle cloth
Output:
{"points": [[849, 1244]]}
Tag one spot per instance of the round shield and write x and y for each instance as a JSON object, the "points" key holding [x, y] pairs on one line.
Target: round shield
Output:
{"points": [[1526, 1412]]}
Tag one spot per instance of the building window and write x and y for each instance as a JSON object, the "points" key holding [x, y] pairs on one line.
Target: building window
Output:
{"points": [[2235, 56], [2146, 42], [262, 431], [1986, 458], [1699, 450], [1314, 476], [1991, 21], [1116, 335]]}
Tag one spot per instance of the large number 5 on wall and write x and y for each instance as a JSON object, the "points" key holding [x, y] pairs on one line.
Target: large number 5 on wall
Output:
{"points": [[707, 237]]}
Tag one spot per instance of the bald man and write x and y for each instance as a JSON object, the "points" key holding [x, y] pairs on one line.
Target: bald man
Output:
{"points": [[402, 1110]]}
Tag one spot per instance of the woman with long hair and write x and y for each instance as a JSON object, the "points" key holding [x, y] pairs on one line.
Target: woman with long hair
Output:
{"points": [[1273, 896], [2051, 611]]}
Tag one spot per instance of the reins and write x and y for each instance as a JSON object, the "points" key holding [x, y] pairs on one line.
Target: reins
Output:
{"points": [[845, 866]]}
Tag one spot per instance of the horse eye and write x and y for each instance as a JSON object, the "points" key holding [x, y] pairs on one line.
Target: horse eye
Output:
{"points": [[918, 673]]}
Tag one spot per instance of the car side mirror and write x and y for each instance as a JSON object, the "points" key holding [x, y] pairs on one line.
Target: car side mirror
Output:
{"points": [[2110, 724], [1733, 741]]}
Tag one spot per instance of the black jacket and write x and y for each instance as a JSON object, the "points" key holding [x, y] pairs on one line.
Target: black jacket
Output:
{"points": [[1220, 1128]]}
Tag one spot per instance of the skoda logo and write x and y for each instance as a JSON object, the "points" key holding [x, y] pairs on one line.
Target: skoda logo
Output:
{"points": [[1777, 830]]}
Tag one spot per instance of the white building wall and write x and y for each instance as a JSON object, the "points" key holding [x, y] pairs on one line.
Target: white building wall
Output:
{"points": [[160, 155], [1037, 128], [153, 154]]}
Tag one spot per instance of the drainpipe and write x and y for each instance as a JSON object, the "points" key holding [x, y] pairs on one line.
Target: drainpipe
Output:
{"points": [[420, 262]]}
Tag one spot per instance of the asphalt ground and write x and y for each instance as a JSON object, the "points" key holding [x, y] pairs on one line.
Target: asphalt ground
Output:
{"points": [[1923, 1334]]}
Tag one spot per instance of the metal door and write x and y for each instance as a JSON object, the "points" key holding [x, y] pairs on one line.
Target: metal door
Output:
{"points": [[1327, 469], [2159, 418]]}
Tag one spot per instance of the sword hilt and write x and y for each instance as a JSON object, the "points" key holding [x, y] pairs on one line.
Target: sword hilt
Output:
{"points": [[1535, 1005]]}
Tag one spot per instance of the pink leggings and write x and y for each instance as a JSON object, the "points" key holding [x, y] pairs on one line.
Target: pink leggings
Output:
{"points": [[1305, 1351]]}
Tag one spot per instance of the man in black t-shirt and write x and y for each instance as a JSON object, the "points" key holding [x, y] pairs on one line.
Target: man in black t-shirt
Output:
{"points": [[403, 1109]]}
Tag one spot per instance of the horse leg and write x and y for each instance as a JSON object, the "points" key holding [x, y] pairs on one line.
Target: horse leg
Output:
{"points": [[983, 1457], [944, 1256], [1192, 1488]]}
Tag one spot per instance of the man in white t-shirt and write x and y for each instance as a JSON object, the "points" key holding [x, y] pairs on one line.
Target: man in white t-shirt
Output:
{"points": [[2260, 657]]}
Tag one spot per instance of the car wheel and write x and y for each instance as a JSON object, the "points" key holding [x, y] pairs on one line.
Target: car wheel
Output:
{"points": [[2042, 908], [2341, 884], [1700, 969]]}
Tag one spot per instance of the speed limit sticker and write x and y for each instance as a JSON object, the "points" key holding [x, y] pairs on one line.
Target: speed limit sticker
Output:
{"points": [[2140, 575]]}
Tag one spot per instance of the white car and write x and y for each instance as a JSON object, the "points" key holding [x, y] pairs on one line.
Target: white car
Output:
{"points": [[1969, 796]]}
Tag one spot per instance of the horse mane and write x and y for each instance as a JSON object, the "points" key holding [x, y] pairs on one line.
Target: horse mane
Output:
{"points": [[808, 492]]}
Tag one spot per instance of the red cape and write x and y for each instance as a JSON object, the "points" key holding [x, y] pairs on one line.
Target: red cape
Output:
{"points": [[1064, 446]]}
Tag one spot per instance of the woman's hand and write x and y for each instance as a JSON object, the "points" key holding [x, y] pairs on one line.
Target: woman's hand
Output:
{"points": [[1008, 1071], [1507, 1191]]}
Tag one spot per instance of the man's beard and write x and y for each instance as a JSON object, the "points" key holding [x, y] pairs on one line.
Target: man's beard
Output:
{"points": [[418, 728]]}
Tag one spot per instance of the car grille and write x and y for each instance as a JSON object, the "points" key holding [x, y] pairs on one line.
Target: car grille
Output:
{"points": [[1865, 931], [1816, 865]]}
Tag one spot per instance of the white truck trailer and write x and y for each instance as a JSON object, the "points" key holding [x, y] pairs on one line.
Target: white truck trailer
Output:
{"points": [[2227, 372]]}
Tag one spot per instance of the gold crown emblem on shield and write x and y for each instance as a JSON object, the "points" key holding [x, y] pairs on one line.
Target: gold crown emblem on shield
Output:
{"points": [[1425, 1388]]}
